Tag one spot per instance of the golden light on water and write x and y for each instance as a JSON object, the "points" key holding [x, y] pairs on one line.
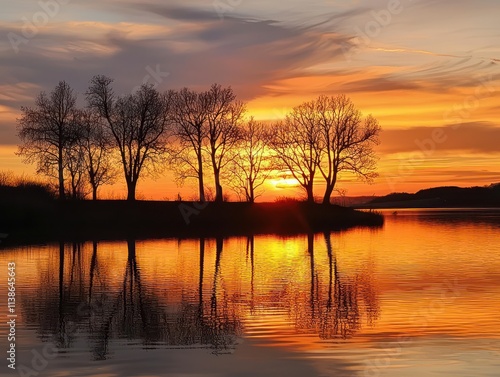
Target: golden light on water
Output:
{"points": [[418, 284]]}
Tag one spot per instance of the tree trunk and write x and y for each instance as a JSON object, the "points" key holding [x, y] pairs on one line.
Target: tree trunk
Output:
{"points": [[329, 188], [200, 178], [328, 194], [310, 194], [218, 187], [131, 185], [61, 175], [93, 184], [74, 188], [219, 198], [251, 198]]}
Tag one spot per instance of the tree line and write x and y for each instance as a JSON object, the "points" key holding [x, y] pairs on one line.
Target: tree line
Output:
{"points": [[196, 134]]}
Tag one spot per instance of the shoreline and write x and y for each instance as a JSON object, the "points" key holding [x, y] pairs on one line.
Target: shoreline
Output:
{"points": [[116, 219]]}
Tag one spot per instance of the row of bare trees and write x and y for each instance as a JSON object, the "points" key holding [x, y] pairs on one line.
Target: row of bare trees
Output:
{"points": [[67, 143], [195, 133]]}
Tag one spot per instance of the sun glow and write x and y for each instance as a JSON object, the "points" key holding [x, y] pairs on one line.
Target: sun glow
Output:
{"points": [[284, 182]]}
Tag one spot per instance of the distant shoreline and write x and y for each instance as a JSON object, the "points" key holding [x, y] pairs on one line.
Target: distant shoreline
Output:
{"points": [[435, 197], [434, 209], [422, 205]]}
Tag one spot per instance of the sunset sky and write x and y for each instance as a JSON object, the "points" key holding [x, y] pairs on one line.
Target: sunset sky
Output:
{"points": [[428, 70]]}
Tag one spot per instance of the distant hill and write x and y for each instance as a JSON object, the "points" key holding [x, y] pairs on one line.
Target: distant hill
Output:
{"points": [[351, 201], [447, 196]]}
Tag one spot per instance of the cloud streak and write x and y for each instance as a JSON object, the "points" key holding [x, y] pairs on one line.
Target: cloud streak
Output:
{"points": [[475, 137]]}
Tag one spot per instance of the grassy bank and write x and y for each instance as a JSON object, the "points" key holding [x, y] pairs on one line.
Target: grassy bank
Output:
{"points": [[50, 220]]}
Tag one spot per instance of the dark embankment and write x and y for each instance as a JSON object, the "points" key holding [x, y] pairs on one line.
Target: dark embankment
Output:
{"points": [[43, 221], [26, 209]]}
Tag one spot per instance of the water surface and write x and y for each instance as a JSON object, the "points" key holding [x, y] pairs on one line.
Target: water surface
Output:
{"points": [[420, 296]]}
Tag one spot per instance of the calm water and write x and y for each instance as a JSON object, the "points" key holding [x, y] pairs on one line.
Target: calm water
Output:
{"points": [[419, 297]]}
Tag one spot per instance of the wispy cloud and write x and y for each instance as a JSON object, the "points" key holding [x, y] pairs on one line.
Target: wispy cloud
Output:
{"points": [[474, 137]]}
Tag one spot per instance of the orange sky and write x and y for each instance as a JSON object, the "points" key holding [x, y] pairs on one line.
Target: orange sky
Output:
{"points": [[431, 81]]}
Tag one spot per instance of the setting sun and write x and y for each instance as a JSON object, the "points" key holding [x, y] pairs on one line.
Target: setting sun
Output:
{"points": [[284, 182]]}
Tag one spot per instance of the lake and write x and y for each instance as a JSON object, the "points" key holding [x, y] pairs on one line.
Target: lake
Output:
{"points": [[418, 297]]}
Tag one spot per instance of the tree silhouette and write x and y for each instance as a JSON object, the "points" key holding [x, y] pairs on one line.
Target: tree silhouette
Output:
{"points": [[190, 116], [296, 145], [96, 147], [207, 128], [75, 169], [347, 140], [318, 139], [251, 165], [47, 130], [224, 117], [139, 124], [327, 134]]}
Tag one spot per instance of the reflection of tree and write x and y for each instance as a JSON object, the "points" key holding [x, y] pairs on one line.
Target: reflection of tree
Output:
{"points": [[77, 299], [334, 312], [251, 251], [53, 302], [213, 322], [80, 294], [223, 324], [61, 327], [342, 313], [187, 323]]}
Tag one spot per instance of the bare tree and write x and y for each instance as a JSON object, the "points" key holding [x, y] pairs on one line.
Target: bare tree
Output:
{"points": [[47, 130], [251, 165], [74, 169], [296, 146], [139, 125], [327, 134], [347, 139], [190, 116], [96, 146], [224, 117]]}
